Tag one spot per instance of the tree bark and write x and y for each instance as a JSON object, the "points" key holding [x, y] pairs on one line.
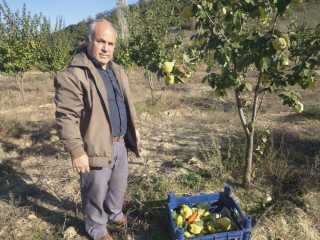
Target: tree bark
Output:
{"points": [[248, 161], [148, 76], [20, 81], [248, 129]]}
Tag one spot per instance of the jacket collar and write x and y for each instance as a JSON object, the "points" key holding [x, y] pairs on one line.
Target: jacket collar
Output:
{"points": [[83, 59]]}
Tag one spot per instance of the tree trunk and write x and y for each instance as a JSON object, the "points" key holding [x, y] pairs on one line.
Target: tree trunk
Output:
{"points": [[124, 32], [249, 133], [248, 161], [249, 129], [148, 76], [20, 81]]}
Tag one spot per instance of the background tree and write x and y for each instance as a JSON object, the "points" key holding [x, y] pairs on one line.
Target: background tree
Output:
{"points": [[151, 43], [28, 41], [77, 35], [17, 48], [53, 47], [247, 53]]}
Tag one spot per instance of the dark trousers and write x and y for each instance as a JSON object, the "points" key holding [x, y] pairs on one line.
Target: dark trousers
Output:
{"points": [[102, 192]]}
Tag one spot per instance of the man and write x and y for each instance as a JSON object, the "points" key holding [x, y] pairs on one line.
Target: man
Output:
{"points": [[97, 123]]}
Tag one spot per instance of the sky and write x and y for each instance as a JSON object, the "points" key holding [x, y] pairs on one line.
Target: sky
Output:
{"points": [[72, 11]]}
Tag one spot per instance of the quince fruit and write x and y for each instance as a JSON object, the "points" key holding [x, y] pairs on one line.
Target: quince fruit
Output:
{"points": [[167, 67], [195, 228], [279, 44], [224, 223], [298, 107], [179, 220], [185, 211], [169, 80]]}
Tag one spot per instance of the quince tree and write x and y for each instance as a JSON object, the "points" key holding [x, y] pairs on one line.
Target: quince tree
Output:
{"points": [[254, 57]]}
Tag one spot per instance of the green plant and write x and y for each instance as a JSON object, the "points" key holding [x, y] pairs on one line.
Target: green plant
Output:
{"points": [[242, 39], [28, 41], [191, 180]]}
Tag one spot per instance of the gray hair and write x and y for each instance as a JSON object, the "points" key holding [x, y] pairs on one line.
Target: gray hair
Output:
{"points": [[92, 26]]}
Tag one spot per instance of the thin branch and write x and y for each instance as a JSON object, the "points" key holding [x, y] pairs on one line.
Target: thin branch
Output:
{"points": [[241, 113], [274, 24], [212, 22], [256, 106], [260, 104]]}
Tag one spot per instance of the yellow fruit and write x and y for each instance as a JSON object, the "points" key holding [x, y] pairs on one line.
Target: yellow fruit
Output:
{"points": [[185, 211], [279, 44], [211, 229], [169, 80], [263, 21], [187, 12], [187, 74], [187, 234], [223, 11], [224, 223], [195, 229], [206, 213], [284, 61], [167, 67], [298, 107], [179, 220]]}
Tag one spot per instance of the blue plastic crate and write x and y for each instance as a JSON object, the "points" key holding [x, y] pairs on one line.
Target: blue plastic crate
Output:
{"points": [[218, 201]]}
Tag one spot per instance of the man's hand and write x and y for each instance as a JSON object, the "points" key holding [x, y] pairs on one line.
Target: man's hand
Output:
{"points": [[138, 136], [81, 164]]}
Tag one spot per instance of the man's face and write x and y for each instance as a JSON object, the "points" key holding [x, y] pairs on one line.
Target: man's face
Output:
{"points": [[102, 44]]}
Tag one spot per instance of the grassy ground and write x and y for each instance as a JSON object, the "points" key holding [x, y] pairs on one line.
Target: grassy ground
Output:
{"points": [[192, 143]]}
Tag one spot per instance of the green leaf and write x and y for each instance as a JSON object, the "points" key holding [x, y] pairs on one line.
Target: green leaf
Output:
{"points": [[236, 45], [203, 205], [248, 86]]}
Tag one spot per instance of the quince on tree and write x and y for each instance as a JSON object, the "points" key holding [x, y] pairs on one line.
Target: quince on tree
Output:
{"points": [[187, 74], [167, 67], [169, 80], [298, 107], [279, 44], [223, 11]]}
